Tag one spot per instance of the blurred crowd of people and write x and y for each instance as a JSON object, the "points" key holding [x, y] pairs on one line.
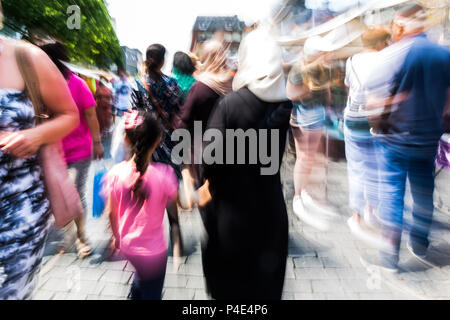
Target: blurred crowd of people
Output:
{"points": [[396, 96]]}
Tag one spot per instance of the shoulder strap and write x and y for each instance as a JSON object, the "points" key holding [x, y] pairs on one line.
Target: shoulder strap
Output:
{"points": [[31, 81], [354, 71], [157, 106]]}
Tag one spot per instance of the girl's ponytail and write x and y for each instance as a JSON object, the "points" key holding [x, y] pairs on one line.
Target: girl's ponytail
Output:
{"points": [[142, 130], [140, 160]]}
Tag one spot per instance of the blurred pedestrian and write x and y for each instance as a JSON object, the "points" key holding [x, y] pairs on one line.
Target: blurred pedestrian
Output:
{"points": [[244, 256], [182, 71], [81, 145], [442, 176], [138, 191], [165, 98], [442, 197], [359, 144], [308, 87], [105, 116], [25, 209], [123, 91], [214, 71], [215, 81], [408, 136], [141, 100]]}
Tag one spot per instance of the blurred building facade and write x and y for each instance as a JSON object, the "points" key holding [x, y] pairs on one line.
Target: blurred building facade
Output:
{"points": [[227, 28], [133, 60]]}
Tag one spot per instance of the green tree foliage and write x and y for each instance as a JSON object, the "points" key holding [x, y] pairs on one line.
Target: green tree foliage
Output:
{"points": [[94, 43]]}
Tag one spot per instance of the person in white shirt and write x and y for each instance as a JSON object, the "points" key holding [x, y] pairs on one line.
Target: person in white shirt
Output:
{"points": [[359, 145], [123, 91]]}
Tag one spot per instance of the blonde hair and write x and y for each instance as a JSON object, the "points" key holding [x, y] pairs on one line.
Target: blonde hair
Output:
{"points": [[315, 75]]}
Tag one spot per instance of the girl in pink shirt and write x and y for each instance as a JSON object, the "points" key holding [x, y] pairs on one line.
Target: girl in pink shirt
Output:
{"points": [[138, 192]]}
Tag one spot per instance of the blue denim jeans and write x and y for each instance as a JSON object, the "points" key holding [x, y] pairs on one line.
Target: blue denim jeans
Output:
{"points": [[394, 168], [308, 118], [362, 170]]}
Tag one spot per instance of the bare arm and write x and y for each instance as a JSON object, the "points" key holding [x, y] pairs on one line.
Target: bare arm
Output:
{"points": [[204, 196], [297, 92], [188, 197], [112, 215], [94, 128], [377, 104], [57, 98]]}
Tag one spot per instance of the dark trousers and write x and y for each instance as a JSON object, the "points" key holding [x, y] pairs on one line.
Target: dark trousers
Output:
{"points": [[149, 277], [147, 289]]}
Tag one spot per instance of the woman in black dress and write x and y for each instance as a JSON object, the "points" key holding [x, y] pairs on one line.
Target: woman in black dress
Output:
{"points": [[246, 221]]}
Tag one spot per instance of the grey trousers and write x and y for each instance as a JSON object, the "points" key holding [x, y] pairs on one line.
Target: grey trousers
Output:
{"points": [[78, 172]]}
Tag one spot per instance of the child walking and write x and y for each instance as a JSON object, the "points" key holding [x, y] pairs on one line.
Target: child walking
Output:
{"points": [[138, 192]]}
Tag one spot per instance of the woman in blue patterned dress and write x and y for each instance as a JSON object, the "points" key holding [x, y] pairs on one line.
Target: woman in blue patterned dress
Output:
{"points": [[165, 99], [24, 207], [167, 94]]}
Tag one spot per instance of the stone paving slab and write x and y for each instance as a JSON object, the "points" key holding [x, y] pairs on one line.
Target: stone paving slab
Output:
{"points": [[178, 294], [194, 282]]}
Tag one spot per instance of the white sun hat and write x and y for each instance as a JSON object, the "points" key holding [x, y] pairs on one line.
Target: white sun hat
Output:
{"points": [[335, 40], [316, 45]]}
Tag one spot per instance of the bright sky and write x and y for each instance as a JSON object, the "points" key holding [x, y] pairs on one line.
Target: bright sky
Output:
{"points": [[140, 23], [169, 22]]}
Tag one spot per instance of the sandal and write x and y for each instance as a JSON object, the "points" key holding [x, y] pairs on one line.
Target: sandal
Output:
{"points": [[84, 250], [61, 250]]}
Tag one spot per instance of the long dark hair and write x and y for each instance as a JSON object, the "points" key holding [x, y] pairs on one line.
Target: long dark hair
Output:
{"points": [[142, 138], [57, 52], [154, 58]]}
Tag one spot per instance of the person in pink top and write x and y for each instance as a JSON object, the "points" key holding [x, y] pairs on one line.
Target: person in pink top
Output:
{"points": [[81, 145], [138, 192]]}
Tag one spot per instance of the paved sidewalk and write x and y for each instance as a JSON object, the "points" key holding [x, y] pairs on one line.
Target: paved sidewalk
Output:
{"points": [[320, 265]]}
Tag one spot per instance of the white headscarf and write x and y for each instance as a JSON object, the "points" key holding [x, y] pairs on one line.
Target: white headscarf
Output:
{"points": [[260, 67]]}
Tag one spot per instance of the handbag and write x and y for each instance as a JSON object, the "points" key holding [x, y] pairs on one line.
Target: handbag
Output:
{"points": [[98, 201], [64, 199]]}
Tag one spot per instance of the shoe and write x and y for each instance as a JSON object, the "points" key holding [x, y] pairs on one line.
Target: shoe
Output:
{"points": [[84, 250], [368, 236], [375, 263], [323, 209], [312, 220], [370, 219], [421, 256]]}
